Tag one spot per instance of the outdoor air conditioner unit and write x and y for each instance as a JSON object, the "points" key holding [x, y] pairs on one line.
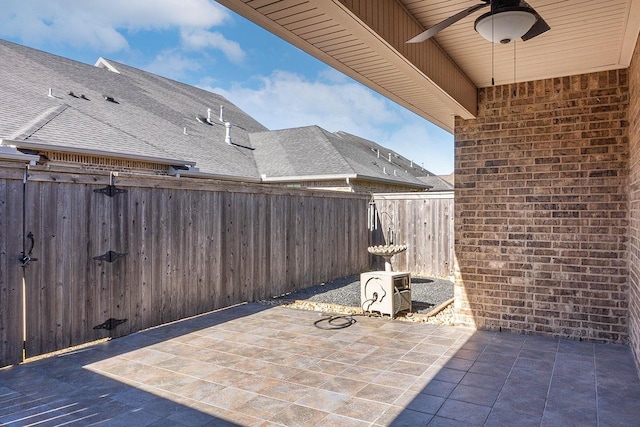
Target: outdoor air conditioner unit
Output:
{"points": [[385, 292]]}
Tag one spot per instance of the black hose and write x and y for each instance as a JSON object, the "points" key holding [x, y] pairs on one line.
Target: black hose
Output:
{"points": [[332, 322]]}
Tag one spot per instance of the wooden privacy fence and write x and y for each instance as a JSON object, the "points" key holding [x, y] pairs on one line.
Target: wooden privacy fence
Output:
{"points": [[422, 221], [154, 250]]}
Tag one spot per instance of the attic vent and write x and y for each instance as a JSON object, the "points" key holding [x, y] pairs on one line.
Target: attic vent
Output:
{"points": [[203, 120], [72, 94], [84, 97], [110, 99]]}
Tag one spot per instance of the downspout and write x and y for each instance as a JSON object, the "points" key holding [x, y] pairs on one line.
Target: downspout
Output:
{"points": [[348, 180]]}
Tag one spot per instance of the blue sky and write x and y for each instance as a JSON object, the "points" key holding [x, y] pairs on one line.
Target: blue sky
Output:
{"points": [[201, 43]]}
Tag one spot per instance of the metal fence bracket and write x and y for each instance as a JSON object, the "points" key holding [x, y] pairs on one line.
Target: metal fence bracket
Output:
{"points": [[109, 256], [110, 190]]}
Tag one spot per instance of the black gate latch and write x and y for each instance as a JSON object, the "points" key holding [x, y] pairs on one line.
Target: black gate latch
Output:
{"points": [[26, 257]]}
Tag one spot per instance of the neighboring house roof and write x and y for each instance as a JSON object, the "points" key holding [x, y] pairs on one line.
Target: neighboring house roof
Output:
{"points": [[147, 119], [449, 178], [111, 109], [390, 159], [314, 153], [437, 183]]}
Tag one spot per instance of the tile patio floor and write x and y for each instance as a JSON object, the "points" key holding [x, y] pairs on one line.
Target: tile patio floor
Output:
{"points": [[258, 365]]}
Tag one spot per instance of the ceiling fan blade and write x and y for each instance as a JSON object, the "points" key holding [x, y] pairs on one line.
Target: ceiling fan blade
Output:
{"points": [[538, 28], [432, 31]]}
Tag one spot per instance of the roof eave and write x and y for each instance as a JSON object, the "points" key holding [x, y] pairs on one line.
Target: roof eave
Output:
{"points": [[11, 153], [353, 176], [75, 150]]}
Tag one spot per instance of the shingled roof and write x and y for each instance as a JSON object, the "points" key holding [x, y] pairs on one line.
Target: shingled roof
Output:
{"points": [[396, 161], [147, 116], [312, 152], [111, 109]]}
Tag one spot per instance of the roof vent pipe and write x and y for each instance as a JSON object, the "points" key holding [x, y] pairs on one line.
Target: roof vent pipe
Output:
{"points": [[227, 137], [389, 157], [378, 153], [50, 92], [412, 164], [209, 115], [220, 118]]}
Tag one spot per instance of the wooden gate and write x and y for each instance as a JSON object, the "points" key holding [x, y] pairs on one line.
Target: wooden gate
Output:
{"points": [[70, 288], [11, 245]]}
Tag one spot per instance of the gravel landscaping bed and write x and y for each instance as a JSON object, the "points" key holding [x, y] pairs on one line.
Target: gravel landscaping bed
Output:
{"points": [[342, 296]]}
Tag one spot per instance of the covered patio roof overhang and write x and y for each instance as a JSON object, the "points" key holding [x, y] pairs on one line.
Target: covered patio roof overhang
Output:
{"points": [[438, 79]]}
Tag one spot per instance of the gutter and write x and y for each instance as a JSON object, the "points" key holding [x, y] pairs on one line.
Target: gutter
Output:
{"points": [[10, 152], [91, 152], [346, 177]]}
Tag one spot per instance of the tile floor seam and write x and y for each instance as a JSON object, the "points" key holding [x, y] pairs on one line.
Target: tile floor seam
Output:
{"points": [[505, 380], [595, 380], [546, 400]]}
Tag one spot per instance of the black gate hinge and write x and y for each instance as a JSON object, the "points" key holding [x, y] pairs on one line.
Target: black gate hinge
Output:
{"points": [[109, 256], [110, 324], [110, 190]]}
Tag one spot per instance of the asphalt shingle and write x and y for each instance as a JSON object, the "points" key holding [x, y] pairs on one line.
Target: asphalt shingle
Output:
{"points": [[152, 116]]}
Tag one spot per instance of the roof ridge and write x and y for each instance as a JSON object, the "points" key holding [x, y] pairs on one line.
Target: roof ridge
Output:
{"points": [[330, 138], [39, 122]]}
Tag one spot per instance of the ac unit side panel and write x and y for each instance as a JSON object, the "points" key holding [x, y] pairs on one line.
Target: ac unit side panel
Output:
{"points": [[385, 292]]}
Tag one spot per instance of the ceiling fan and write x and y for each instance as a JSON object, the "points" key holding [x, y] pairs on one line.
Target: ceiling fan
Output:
{"points": [[508, 20]]}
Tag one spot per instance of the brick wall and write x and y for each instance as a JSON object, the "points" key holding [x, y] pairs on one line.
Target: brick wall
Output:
{"points": [[541, 213], [634, 201]]}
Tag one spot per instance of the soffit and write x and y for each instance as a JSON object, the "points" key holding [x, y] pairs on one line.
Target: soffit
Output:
{"points": [[371, 52], [437, 79]]}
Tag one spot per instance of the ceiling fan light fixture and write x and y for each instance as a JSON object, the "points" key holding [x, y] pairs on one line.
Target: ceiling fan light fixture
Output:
{"points": [[507, 25]]}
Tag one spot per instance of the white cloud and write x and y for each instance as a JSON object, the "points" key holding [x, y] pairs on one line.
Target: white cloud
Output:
{"points": [[197, 39], [284, 100], [97, 24], [334, 102], [172, 64]]}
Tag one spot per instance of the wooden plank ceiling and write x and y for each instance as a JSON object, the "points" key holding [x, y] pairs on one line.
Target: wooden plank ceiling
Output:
{"points": [[438, 79]]}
